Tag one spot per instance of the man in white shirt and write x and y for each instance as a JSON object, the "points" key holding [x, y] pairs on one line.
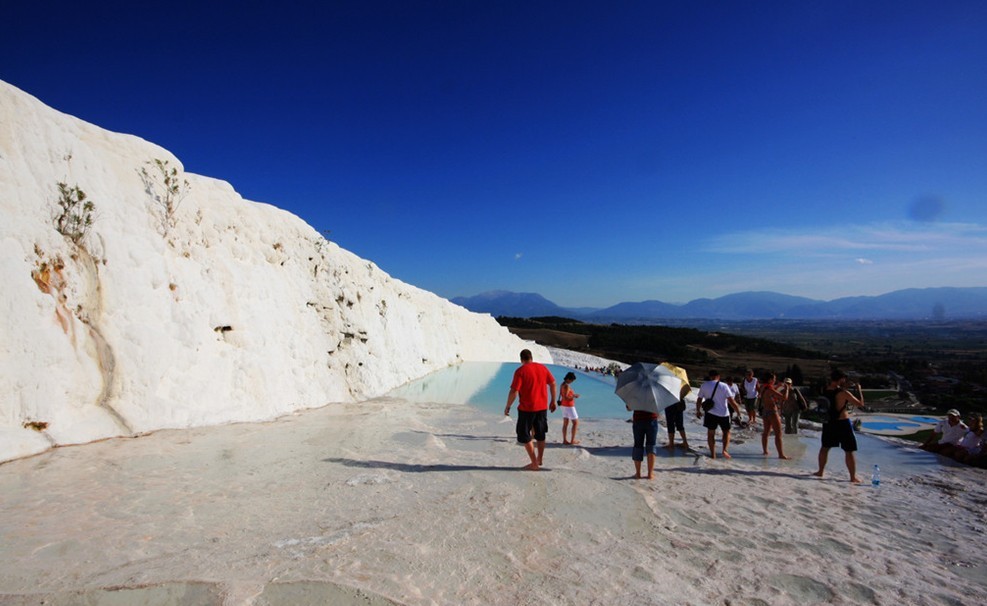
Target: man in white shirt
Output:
{"points": [[750, 397], [949, 432], [718, 416]]}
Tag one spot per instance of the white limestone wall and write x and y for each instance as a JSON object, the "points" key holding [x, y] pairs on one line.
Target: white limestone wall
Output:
{"points": [[223, 310]]}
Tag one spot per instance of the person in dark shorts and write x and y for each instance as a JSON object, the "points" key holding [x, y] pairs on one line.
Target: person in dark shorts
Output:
{"points": [[675, 419], [718, 415], [529, 386], [837, 429]]}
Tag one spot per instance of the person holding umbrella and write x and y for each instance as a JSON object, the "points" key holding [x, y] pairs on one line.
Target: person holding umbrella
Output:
{"points": [[715, 400], [644, 425], [647, 389]]}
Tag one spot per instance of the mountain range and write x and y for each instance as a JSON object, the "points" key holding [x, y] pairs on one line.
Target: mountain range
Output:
{"points": [[946, 303]]}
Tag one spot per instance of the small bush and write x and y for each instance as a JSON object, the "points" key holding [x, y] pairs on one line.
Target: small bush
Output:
{"points": [[165, 186], [74, 216]]}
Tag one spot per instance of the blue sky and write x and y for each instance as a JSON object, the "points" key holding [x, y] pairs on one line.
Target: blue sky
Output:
{"points": [[593, 152]]}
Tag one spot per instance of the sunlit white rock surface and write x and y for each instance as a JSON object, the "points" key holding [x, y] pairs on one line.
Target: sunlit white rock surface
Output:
{"points": [[220, 310]]}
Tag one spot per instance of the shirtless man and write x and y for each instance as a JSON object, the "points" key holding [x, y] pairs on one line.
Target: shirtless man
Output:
{"points": [[838, 430]]}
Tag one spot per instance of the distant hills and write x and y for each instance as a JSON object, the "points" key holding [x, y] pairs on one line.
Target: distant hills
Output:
{"points": [[934, 304]]}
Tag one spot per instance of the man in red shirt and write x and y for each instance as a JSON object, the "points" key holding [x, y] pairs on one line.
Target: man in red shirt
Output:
{"points": [[530, 381]]}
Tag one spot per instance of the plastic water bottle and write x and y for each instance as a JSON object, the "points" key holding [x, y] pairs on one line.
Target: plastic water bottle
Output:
{"points": [[875, 478]]}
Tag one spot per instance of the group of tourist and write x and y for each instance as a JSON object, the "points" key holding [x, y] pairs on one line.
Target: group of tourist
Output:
{"points": [[532, 383], [715, 400], [613, 370], [788, 400], [772, 399], [954, 438]]}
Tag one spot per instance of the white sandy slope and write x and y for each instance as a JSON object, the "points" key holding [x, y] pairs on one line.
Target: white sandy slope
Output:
{"points": [[385, 501], [226, 310], [577, 359]]}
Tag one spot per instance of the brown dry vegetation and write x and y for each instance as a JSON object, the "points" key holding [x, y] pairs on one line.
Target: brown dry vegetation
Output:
{"points": [[555, 338], [733, 363]]}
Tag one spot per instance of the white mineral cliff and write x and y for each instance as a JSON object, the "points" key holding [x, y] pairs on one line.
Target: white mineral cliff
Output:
{"points": [[184, 304]]}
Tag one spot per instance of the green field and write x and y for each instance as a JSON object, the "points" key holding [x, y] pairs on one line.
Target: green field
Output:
{"points": [[871, 395]]}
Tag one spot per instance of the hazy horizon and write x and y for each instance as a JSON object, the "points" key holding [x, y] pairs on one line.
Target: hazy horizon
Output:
{"points": [[682, 303]]}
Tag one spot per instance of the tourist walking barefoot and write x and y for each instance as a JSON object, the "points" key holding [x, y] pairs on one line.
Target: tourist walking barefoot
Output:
{"points": [[529, 385], [837, 429], [734, 384], [718, 402], [748, 390], [792, 409], [567, 404], [675, 419], [644, 424], [772, 398]]}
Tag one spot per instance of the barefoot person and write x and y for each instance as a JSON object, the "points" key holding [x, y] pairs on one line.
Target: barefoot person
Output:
{"points": [[567, 403], [529, 386], [792, 409], [675, 419], [772, 398], [748, 390], [837, 429], [644, 424], [718, 403]]}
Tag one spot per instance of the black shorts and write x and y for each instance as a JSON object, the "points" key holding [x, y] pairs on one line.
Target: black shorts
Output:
{"points": [[711, 422], [528, 422], [674, 419], [839, 434]]}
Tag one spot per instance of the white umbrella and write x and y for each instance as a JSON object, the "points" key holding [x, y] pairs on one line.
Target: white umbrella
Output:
{"points": [[649, 387]]}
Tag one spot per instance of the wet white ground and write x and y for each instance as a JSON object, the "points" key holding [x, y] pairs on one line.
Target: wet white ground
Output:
{"points": [[388, 501]]}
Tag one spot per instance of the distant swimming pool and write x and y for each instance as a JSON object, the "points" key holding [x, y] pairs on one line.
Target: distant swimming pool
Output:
{"points": [[486, 384], [883, 425], [896, 423]]}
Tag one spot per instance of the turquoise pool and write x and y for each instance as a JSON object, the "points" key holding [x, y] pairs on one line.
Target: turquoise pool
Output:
{"points": [[486, 384], [885, 425], [896, 423]]}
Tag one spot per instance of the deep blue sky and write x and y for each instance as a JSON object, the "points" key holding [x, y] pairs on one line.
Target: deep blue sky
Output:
{"points": [[593, 152]]}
